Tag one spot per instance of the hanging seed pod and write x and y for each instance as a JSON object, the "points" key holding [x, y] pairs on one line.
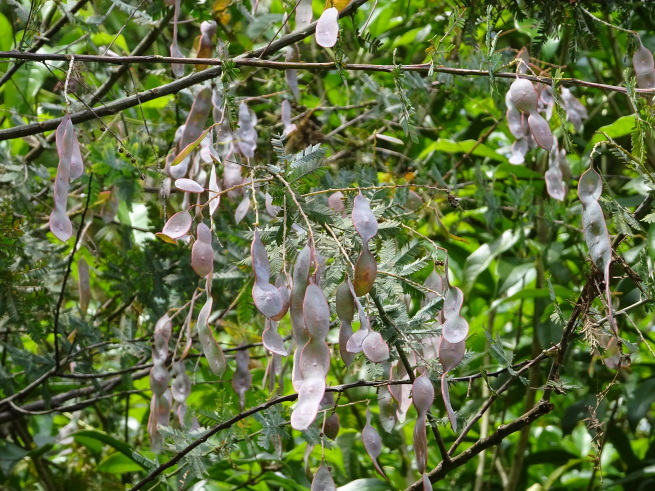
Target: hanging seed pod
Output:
{"points": [[284, 294], [540, 130], [242, 210], [60, 224], [214, 197], [323, 480], [246, 134], [177, 226], [297, 297], [189, 186], [84, 285], [387, 406], [332, 426], [335, 202], [555, 184], [375, 348], [455, 327], [210, 347], [202, 253], [450, 355], [303, 14], [206, 43], [590, 188], [260, 265], [242, 379], [272, 340], [327, 28], [366, 270], [523, 95], [267, 299], [642, 60], [314, 361], [364, 219], [345, 306], [422, 397], [291, 76], [372, 443]]}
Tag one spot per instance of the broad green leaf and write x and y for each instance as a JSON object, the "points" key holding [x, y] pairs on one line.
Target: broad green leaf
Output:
{"points": [[480, 260]]}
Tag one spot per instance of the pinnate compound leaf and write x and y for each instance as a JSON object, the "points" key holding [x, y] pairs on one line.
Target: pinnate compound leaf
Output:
{"points": [[327, 28]]}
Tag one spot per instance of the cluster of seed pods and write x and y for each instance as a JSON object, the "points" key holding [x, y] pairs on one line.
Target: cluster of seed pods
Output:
{"points": [[642, 61], [590, 188], [70, 167], [270, 300], [160, 404], [314, 360], [523, 100]]}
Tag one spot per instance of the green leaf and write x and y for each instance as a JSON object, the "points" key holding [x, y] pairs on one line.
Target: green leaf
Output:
{"points": [[122, 447], [118, 463], [480, 260]]}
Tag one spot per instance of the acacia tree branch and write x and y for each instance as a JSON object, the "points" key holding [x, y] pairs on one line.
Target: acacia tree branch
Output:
{"points": [[243, 415], [503, 431], [43, 39], [170, 88]]}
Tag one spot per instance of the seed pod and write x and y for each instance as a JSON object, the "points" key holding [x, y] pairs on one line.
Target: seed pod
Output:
{"points": [[366, 270], [303, 14], [422, 397], [267, 299], [331, 427], [181, 386], [272, 340], [210, 347], [260, 265], [345, 303], [297, 297], [214, 197], [523, 95], [242, 379], [520, 148], [285, 114], [60, 224], [284, 294], [540, 130], [291, 76], [316, 312], [202, 254], [327, 28], [387, 406], [375, 348], [84, 285], [246, 135], [271, 209], [206, 43], [178, 225], [189, 186], [642, 60], [372, 443], [646, 81], [323, 480], [364, 219], [595, 232], [335, 202], [515, 123], [554, 180]]}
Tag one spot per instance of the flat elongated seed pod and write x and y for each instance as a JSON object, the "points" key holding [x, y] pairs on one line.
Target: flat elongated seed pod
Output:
{"points": [[178, 225], [323, 480], [202, 254], [303, 14], [210, 347], [84, 284], [540, 131], [272, 340], [523, 95], [345, 304], [590, 187], [242, 210], [356, 341], [242, 379], [335, 202], [366, 270], [375, 347], [387, 406], [267, 299], [189, 185], [284, 294], [422, 394], [372, 443], [197, 118], [60, 224], [327, 28], [452, 302], [450, 354], [364, 219], [345, 333], [316, 312], [455, 329], [297, 297], [427, 485], [260, 265], [515, 123], [646, 81], [214, 190], [642, 60], [181, 386]]}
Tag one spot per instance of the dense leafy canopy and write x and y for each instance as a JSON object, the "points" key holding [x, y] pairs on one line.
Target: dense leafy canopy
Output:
{"points": [[365, 245]]}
